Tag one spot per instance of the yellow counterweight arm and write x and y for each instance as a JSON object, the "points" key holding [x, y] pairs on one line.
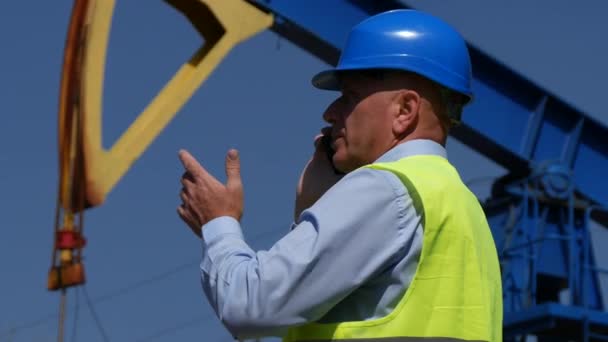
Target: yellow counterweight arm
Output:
{"points": [[88, 172], [222, 23]]}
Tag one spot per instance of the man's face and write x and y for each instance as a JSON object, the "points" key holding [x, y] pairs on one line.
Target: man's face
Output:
{"points": [[361, 121]]}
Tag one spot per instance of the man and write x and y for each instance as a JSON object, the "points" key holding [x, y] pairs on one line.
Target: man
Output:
{"points": [[397, 248]]}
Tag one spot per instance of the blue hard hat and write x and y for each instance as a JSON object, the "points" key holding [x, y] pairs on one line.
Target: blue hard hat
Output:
{"points": [[405, 40]]}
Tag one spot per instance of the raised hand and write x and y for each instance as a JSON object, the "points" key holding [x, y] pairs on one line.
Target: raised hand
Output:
{"points": [[204, 198]]}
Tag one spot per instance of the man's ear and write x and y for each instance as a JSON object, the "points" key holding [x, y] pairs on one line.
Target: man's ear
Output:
{"points": [[407, 105]]}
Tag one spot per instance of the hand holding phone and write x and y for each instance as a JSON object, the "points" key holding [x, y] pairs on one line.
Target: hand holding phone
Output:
{"points": [[318, 175], [329, 151]]}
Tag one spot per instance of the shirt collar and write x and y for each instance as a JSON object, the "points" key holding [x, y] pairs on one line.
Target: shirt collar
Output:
{"points": [[413, 148]]}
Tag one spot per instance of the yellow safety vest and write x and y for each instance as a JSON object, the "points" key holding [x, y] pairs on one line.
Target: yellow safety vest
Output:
{"points": [[456, 293]]}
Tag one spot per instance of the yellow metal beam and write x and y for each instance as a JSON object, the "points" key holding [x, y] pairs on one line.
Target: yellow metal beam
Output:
{"points": [[223, 24]]}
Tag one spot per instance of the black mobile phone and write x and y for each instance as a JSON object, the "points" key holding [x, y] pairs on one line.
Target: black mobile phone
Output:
{"points": [[326, 142]]}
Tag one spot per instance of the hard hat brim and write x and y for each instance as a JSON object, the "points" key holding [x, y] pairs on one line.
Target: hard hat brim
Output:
{"points": [[330, 79], [326, 80]]}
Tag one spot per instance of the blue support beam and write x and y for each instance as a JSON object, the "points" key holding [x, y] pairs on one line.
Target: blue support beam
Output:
{"points": [[512, 121]]}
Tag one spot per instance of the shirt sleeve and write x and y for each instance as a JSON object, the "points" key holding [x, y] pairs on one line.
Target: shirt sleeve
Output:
{"points": [[354, 232]]}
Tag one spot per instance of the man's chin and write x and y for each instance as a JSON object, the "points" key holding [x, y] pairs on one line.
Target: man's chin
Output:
{"points": [[342, 165]]}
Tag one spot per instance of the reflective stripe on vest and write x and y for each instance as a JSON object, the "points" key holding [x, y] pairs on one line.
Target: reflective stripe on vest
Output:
{"points": [[455, 294]]}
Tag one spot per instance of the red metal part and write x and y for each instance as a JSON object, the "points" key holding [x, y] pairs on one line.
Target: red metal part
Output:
{"points": [[69, 239]]}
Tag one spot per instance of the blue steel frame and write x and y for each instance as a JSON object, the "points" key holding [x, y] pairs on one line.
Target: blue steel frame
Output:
{"points": [[512, 121], [543, 243], [540, 212]]}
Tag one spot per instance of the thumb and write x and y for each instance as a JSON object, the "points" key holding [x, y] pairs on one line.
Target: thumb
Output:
{"points": [[233, 170]]}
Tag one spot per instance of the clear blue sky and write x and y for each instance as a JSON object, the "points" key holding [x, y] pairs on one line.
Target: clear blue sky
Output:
{"points": [[259, 101]]}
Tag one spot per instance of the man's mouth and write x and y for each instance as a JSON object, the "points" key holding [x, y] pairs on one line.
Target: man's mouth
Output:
{"points": [[334, 141]]}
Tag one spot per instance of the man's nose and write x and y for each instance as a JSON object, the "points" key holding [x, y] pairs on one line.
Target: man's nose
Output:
{"points": [[332, 113]]}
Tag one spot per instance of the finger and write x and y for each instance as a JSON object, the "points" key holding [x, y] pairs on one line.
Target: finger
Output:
{"points": [[318, 138], [324, 149], [181, 211], [233, 170], [187, 175], [183, 195], [187, 183], [325, 134], [326, 130], [184, 214], [190, 163]]}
